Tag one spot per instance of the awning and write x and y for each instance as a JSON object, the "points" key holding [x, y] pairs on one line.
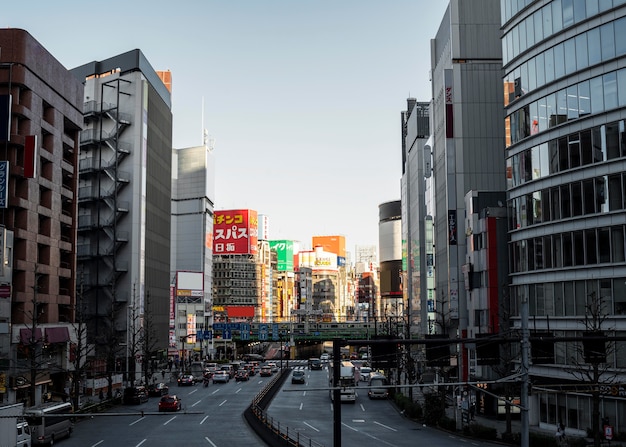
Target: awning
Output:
{"points": [[25, 335], [57, 334]]}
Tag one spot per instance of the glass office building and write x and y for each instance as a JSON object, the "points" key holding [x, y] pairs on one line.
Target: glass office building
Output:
{"points": [[565, 104]]}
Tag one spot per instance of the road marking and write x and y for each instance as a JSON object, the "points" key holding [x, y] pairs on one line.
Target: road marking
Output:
{"points": [[196, 403], [385, 426], [238, 390], [358, 420], [191, 392], [362, 407], [368, 435], [222, 403], [100, 442], [209, 441], [215, 391], [351, 428], [202, 421], [304, 394], [141, 442], [301, 405], [169, 420], [140, 419], [309, 425]]}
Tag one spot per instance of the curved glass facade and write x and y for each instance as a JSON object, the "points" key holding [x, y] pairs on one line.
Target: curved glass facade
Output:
{"points": [[565, 106]]}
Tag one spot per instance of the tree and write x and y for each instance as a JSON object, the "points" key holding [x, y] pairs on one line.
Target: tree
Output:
{"points": [[590, 360]]}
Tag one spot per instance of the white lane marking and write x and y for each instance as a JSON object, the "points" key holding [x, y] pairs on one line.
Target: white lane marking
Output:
{"points": [[222, 403], [301, 405], [209, 441], [191, 392], [362, 407], [368, 435], [304, 394], [215, 391], [100, 442], [196, 403], [141, 442], [169, 420], [140, 419], [385, 426], [238, 390], [204, 419], [351, 428], [309, 425]]}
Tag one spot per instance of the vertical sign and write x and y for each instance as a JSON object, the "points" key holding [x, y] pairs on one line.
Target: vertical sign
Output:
{"points": [[4, 183], [452, 227], [449, 98]]}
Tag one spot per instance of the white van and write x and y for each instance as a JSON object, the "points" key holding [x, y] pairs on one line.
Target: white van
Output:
{"points": [[377, 386], [23, 434]]}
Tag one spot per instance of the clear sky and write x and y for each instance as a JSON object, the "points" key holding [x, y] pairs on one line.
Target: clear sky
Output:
{"points": [[302, 98]]}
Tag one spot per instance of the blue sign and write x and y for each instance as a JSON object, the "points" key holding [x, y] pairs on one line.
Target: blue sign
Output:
{"points": [[218, 326], [234, 326], [275, 331], [245, 335], [263, 331], [226, 334], [208, 335]]}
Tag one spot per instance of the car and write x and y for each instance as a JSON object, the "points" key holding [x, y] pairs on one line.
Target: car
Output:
{"points": [[170, 402], [242, 375], [221, 376], [365, 373], [274, 367], [158, 389], [298, 376], [250, 368], [266, 371], [135, 395], [325, 357], [315, 363], [186, 380]]}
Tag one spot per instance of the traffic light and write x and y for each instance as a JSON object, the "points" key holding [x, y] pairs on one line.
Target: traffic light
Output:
{"points": [[487, 349]]}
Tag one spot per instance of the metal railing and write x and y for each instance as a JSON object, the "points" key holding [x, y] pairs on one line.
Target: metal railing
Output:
{"points": [[293, 437]]}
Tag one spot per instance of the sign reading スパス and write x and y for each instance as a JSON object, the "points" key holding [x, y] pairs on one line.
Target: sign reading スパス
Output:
{"points": [[235, 232]]}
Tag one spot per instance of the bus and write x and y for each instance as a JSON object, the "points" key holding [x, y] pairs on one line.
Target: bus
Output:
{"points": [[49, 422]]}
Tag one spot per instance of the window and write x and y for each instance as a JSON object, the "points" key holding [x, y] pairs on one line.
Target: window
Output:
{"points": [[607, 39]]}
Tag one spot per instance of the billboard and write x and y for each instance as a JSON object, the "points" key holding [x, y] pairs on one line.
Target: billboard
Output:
{"points": [[235, 232], [284, 255], [332, 244]]}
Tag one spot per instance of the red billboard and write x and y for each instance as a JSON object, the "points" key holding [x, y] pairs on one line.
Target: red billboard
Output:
{"points": [[235, 232]]}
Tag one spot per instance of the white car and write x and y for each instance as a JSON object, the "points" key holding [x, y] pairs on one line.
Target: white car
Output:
{"points": [[273, 366], [221, 376], [325, 357], [365, 373]]}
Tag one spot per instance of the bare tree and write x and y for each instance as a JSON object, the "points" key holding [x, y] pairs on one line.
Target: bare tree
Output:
{"points": [[590, 362]]}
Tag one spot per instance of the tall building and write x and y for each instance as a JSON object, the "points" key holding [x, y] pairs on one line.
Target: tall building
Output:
{"points": [[193, 199], [40, 122], [391, 304], [565, 99], [124, 207], [416, 166], [467, 142]]}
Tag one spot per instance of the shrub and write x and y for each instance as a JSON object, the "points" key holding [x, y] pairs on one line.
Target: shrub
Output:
{"points": [[447, 423], [541, 440], [512, 438], [412, 410], [434, 409], [481, 432]]}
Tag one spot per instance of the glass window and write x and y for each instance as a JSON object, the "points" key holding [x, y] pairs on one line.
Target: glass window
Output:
{"points": [[566, 203], [574, 151], [572, 102], [577, 201], [553, 151], [537, 209], [523, 43], [547, 21], [579, 10], [579, 248], [621, 87], [543, 117], [561, 105], [620, 36], [545, 212], [532, 74], [585, 147], [551, 109], [601, 195], [530, 32], [594, 47], [612, 141], [597, 140], [557, 251], [604, 240], [557, 16], [607, 39], [592, 8], [534, 118], [541, 70], [538, 19], [591, 246], [617, 243], [559, 60], [609, 82], [555, 201], [547, 252], [616, 200], [563, 155], [597, 95], [589, 197], [570, 60], [582, 59], [515, 40], [568, 13], [584, 99], [619, 296], [549, 65]]}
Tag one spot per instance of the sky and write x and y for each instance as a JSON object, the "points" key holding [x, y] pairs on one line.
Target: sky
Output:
{"points": [[301, 98]]}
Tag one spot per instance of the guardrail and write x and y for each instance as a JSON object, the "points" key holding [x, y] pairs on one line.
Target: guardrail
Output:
{"points": [[280, 433]]}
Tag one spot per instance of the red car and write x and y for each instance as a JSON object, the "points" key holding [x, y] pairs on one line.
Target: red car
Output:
{"points": [[169, 402]]}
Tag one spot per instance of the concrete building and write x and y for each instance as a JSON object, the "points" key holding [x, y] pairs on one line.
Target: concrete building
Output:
{"points": [[391, 306], [124, 207], [193, 198], [565, 101], [467, 143], [416, 166], [40, 122]]}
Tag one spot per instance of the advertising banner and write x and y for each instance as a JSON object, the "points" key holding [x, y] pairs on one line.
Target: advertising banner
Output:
{"points": [[235, 232], [284, 255]]}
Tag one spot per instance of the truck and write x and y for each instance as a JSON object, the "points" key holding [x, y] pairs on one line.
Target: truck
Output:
{"points": [[14, 430], [346, 381]]}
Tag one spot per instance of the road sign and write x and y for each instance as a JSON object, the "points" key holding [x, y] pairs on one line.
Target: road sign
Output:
{"points": [[263, 331], [608, 432], [218, 326], [245, 335], [275, 331], [226, 334], [208, 335], [234, 326]]}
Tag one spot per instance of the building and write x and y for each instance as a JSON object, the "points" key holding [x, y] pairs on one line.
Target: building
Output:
{"points": [[467, 142], [565, 98], [416, 167], [391, 307], [193, 199], [40, 122], [124, 207]]}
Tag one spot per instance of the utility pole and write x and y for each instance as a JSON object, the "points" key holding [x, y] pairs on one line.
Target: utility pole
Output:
{"points": [[33, 342], [524, 400]]}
